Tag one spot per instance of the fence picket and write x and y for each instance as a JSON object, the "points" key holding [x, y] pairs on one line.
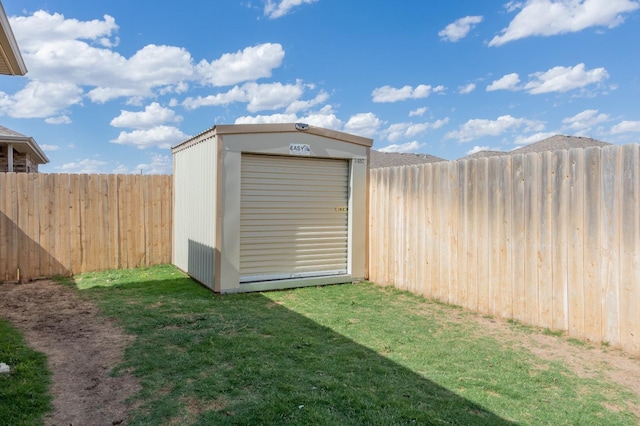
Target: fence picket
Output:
{"points": [[630, 249], [610, 237], [545, 244], [593, 290]]}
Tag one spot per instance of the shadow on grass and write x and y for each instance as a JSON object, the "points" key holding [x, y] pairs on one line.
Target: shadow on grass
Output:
{"points": [[204, 358]]}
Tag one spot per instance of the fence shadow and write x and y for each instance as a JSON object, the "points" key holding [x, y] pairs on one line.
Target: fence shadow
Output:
{"points": [[205, 358], [25, 259]]}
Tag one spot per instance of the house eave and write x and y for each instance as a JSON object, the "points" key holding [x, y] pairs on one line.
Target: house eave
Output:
{"points": [[11, 62], [26, 145]]}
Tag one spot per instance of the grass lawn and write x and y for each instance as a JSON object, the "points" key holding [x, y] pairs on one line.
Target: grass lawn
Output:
{"points": [[335, 355], [24, 397]]}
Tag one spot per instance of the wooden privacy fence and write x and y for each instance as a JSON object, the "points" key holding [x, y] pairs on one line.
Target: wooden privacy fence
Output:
{"points": [[550, 239], [63, 224]]}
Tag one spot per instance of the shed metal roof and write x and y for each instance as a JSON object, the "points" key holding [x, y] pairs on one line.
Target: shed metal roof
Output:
{"points": [[235, 129]]}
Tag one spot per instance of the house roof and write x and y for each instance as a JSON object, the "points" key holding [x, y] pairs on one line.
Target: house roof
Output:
{"points": [[554, 143], [485, 154], [11, 62], [379, 159], [559, 142], [23, 144]]}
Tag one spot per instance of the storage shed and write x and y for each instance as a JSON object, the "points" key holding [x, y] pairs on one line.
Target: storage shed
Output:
{"points": [[270, 206]]}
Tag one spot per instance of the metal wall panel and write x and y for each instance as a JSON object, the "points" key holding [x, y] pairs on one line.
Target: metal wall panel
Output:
{"points": [[195, 210], [294, 217]]}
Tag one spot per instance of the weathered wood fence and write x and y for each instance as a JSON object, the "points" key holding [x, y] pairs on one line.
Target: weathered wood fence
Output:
{"points": [[550, 239], [64, 224]]}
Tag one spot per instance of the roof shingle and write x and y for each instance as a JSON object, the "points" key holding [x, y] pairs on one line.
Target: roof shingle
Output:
{"points": [[379, 159]]}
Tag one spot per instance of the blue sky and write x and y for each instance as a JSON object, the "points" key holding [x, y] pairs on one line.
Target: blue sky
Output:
{"points": [[112, 85]]}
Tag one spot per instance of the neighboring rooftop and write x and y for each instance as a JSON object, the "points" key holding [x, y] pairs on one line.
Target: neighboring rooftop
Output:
{"points": [[559, 142], [392, 159], [554, 143], [28, 153], [484, 154]]}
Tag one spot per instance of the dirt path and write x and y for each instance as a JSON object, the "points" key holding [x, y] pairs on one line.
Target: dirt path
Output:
{"points": [[81, 347]]}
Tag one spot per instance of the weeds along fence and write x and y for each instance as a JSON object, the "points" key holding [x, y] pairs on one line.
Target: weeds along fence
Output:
{"points": [[64, 224], [551, 239]]}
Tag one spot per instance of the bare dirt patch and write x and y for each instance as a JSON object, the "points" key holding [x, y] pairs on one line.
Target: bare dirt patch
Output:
{"points": [[82, 348]]}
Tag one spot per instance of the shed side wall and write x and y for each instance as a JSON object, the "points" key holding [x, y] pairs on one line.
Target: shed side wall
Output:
{"points": [[194, 230]]}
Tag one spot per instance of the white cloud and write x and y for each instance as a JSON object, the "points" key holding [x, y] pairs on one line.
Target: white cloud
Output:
{"points": [[153, 115], [73, 59], [405, 147], [120, 169], [439, 123], [460, 28], [477, 128], [399, 131], [160, 165], [259, 97], [160, 136], [236, 94], [392, 94], [61, 119], [59, 50], [50, 148], [536, 137], [419, 112], [274, 9], [552, 17], [507, 82], [323, 118], [249, 64], [305, 105], [626, 127], [557, 79], [465, 90], [83, 166], [39, 100], [272, 95], [268, 119], [585, 120], [163, 67], [32, 30], [364, 124], [563, 79]]}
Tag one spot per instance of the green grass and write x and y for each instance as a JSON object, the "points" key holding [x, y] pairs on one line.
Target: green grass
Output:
{"points": [[335, 355], [24, 397]]}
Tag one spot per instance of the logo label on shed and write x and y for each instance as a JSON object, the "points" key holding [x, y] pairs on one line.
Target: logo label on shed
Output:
{"points": [[299, 149]]}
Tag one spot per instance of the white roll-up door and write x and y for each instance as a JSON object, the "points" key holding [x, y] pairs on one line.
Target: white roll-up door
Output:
{"points": [[293, 217]]}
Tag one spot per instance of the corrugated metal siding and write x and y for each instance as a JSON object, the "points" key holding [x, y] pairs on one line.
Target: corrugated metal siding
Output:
{"points": [[195, 210], [293, 220]]}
